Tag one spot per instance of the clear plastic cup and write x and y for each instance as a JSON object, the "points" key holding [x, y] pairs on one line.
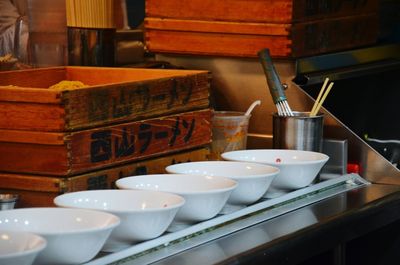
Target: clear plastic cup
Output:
{"points": [[229, 132]]}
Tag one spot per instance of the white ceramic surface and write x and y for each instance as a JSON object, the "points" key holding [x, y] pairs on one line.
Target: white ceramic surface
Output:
{"points": [[19, 247], [298, 168], [204, 195], [73, 235], [253, 179], [144, 214]]}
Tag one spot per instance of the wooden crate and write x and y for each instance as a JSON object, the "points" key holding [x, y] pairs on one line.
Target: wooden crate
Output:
{"points": [[114, 95], [70, 153], [245, 39], [258, 11], [37, 190]]}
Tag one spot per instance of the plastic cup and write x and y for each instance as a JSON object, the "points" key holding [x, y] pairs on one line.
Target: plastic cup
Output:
{"points": [[229, 132], [299, 132]]}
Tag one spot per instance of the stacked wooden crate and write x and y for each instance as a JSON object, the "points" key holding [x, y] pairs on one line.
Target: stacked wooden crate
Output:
{"points": [[125, 122], [240, 28]]}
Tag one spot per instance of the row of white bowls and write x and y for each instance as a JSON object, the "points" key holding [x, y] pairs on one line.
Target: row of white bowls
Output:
{"points": [[145, 206]]}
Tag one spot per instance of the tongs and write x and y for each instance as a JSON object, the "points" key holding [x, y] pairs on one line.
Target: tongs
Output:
{"points": [[275, 86]]}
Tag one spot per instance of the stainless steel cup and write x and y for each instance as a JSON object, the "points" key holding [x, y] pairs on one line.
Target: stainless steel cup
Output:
{"points": [[300, 132], [7, 201]]}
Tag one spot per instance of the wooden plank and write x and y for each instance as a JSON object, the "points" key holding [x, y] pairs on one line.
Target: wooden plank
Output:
{"points": [[94, 76], [219, 44], [32, 183], [114, 95], [263, 11], [14, 93], [89, 150], [334, 35], [46, 138], [135, 100], [31, 116], [226, 10], [310, 10], [300, 39], [97, 148], [218, 26], [39, 191], [34, 158], [31, 85]]}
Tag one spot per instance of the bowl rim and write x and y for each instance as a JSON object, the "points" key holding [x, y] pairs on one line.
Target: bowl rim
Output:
{"points": [[276, 170], [234, 183], [147, 210], [323, 158], [115, 221], [39, 247]]}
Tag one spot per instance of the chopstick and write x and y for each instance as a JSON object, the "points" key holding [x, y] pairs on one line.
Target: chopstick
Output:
{"points": [[319, 101]]}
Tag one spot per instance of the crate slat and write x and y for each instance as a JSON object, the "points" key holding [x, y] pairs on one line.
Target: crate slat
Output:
{"points": [[39, 190], [268, 11], [72, 153], [114, 95], [225, 38]]}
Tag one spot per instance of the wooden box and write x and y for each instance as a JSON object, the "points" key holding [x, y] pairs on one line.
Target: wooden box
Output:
{"points": [[113, 95], [240, 28], [258, 11], [241, 39], [39, 190], [71, 153]]}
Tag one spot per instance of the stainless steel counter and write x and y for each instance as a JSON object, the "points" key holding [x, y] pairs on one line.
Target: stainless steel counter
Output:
{"points": [[289, 229], [300, 234]]}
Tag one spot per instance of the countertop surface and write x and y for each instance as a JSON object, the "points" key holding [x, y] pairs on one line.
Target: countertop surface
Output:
{"points": [[297, 235]]}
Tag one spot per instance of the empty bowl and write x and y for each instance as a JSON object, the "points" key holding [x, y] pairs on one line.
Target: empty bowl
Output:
{"points": [[298, 169], [204, 195], [253, 179], [18, 247], [73, 235], [144, 214]]}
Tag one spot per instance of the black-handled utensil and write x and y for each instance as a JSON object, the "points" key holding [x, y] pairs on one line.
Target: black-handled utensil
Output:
{"points": [[274, 84]]}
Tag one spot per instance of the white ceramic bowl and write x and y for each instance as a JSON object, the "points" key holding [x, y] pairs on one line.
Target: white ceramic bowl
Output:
{"points": [[204, 195], [73, 235], [144, 214], [298, 168], [18, 247], [253, 179]]}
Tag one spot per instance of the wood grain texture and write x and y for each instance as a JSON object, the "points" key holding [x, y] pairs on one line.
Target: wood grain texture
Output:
{"points": [[32, 116], [218, 26], [219, 44], [34, 158], [31, 137], [39, 78], [334, 35], [220, 38], [39, 190], [264, 11], [70, 153], [114, 95], [97, 148]]}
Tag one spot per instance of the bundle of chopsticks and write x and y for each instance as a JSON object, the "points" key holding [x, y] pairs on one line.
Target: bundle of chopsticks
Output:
{"points": [[323, 93], [90, 13]]}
